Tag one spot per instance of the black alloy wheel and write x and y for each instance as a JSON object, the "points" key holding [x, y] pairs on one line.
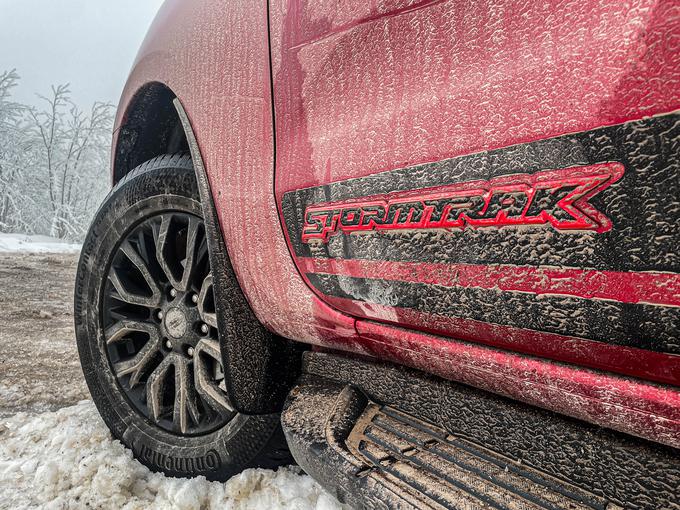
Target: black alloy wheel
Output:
{"points": [[160, 325]]}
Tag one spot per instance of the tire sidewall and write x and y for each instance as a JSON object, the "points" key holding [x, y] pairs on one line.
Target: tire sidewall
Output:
{"points": [[216, 455]]}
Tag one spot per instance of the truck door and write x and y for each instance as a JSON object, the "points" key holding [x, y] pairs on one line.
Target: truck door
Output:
{"points": [[498, 171]]}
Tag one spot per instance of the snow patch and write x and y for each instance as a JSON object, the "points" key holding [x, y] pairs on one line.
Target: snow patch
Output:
{"points": [[24, 243], [67, 459]]}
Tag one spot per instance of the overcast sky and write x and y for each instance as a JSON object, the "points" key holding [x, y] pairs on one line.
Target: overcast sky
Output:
{"points": [[90, 44]]}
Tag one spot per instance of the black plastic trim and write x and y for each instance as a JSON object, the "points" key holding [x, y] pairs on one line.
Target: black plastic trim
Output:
{"points": [[260, 367]]}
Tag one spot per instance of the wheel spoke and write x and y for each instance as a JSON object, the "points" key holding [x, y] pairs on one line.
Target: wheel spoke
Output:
{"points": [[191, 252], [130, 296], [137, 365], [185, 404], [122, 329], [143, 268], [162, 234], [155, 388], [206, 385], [164, 251], [205, 300]]}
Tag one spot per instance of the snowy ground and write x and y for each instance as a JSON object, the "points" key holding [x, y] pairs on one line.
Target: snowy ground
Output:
{"points": [[12, 243], [67, 459], [55, 451]]}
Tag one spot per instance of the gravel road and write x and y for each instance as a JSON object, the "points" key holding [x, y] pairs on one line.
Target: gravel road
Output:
{"points": [[39, 369]]}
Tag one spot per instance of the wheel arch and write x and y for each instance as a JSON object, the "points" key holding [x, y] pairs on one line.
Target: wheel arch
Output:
{"points": [[259, 365], [151, 127]]}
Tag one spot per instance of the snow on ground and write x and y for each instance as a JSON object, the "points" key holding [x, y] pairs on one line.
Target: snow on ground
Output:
{"points": [[35, 244], [67, 459]]}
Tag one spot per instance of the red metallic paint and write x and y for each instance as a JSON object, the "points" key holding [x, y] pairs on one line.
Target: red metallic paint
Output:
{"points": [[660, 367], [348, 104], [214, 55], [627, 405], [362, 90], [626, 287], [365, 87]]}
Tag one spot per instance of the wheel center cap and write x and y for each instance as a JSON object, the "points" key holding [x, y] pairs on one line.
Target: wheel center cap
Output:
{"points": [[175, 322]]}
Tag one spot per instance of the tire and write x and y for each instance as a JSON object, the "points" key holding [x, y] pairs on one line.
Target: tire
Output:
{"points": [[146, 332]]}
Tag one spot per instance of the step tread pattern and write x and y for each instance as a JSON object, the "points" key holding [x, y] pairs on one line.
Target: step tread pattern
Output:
{"points": [[454, 472]]}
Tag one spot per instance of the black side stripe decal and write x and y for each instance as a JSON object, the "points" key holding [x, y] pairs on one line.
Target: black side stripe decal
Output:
{"points": [[644, 205], [634, 325]]}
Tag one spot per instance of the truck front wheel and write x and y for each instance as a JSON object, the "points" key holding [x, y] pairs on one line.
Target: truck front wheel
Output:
{"points": [[147, 331]]}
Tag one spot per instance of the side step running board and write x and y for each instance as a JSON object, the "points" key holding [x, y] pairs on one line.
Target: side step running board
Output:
{"points": [[344, 425], [452, 472]]}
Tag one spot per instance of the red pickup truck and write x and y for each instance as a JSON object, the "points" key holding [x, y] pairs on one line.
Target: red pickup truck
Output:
{"points": [[427, 249]]}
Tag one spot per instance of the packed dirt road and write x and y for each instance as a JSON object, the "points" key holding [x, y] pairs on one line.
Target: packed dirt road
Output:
{"points": [[39, 369], [55, 451]]}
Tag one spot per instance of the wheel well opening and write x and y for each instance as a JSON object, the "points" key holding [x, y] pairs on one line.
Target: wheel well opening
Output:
{"points": [[151, 128]]}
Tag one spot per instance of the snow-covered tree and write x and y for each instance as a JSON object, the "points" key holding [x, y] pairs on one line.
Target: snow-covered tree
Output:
{"points": [[53, 162], [11, 114], [70, 148]]}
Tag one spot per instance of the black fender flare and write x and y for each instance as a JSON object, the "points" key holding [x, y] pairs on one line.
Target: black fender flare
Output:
{"points": [[260, 367]]}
